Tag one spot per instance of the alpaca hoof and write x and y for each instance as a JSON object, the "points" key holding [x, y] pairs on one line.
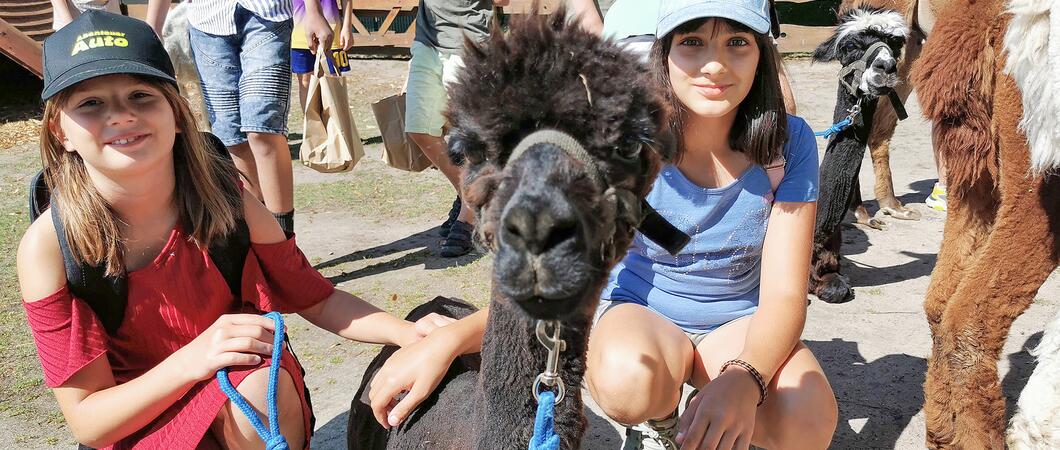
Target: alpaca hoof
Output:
{"points": [[876, 224], [835, 288], [901, 213]]}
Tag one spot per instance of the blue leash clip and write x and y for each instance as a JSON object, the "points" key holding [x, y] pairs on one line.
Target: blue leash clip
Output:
{"points": [[271, 435], [838, 127]]}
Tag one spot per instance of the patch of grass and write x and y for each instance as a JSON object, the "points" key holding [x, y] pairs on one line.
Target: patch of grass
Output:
{"points": [[874, 291], [380, 194], [22, 391]]}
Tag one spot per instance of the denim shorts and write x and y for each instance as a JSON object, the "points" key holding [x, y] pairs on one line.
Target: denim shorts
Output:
{"points": [[246, 77]]}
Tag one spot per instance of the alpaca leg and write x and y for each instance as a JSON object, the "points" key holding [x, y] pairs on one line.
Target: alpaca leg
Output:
{"points": [[825, 280], [861, 215], [1017, 256]]}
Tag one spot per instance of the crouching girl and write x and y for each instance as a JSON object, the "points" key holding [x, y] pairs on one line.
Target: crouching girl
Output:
{"points": [[138, 193]]}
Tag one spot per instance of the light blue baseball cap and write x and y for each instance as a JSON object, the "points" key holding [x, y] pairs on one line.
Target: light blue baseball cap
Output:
{"points": [[674, 13]]}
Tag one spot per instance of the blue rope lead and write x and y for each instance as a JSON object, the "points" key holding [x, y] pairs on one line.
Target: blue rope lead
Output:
{"points": [[271, 436], [545, 437], [835, 128]]}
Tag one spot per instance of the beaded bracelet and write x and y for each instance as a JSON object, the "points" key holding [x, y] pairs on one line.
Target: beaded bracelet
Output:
{"points": [[754, 373]]}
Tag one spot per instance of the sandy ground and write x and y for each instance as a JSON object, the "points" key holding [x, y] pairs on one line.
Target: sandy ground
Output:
{"points": [[873, 348]]}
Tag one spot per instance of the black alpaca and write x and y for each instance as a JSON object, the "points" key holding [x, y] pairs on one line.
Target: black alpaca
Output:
{"points": [[870, 40], [558, 216]]}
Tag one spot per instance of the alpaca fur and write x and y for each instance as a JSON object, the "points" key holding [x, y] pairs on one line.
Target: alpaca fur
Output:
{"points": [[859, 29], [1036, 424], [546, 73], [1000, 239], [1034, 31]]}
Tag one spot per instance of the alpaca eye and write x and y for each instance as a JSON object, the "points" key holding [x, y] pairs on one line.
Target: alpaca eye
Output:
{"points": [[850, 46], [628, 152]]}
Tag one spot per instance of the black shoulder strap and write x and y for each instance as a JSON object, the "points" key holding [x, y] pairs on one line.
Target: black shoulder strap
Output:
{"points": [[106, 295], [39, 196], [229, 254]]}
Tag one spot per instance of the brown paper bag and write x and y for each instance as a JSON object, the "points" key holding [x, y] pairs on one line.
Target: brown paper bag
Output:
{"points": [[330, 142], [398, 150]]}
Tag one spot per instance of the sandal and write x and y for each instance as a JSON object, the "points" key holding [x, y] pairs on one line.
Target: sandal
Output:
{"points": [[458, 243], [454, 211]]}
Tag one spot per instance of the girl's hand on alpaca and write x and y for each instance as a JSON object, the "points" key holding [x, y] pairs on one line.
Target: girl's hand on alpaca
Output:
{"points": [[431, 322], [416, 369], [722, 414], [232, 340]]}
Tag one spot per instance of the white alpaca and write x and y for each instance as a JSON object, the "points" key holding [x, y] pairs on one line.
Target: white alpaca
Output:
{"points": [[1036, 424], [178, 45]]}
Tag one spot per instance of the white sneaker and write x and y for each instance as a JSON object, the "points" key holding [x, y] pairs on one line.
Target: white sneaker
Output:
{"points": [[653, 435]]}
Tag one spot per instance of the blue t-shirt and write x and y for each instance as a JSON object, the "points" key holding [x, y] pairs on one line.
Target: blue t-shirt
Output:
{"points": [[715, 278]]}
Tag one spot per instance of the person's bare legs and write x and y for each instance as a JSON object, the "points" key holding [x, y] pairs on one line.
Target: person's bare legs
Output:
{"points": [[637, 362], [233, 429], [800, 411], [244, 160], [272, 158], [435, 149], [303, 87]]}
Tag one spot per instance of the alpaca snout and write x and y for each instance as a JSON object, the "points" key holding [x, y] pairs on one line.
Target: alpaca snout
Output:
{"points": [[540, 261]]}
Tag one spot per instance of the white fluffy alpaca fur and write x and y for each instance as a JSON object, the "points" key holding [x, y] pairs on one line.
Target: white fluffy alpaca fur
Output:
{"points": [[178, 45], [1036, 424], [887, 22], [1032, 43]]}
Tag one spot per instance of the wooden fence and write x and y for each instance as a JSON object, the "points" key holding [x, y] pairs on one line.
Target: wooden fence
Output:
{"points": [[387, 26]]}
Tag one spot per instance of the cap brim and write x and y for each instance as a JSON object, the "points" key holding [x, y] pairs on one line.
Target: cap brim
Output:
{"points": [[738, 13], [100, 68]]}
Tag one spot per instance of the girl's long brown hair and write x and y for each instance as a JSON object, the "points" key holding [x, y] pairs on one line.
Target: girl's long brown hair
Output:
{"points": [[761, 126], [207, 196]]}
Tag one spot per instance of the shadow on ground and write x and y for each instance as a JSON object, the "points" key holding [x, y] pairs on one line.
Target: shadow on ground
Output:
{"points": [[877, 399], [427, 243], [600, 435]]}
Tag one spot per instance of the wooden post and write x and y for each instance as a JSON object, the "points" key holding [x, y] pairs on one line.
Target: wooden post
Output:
{"points": [[21, 49]]}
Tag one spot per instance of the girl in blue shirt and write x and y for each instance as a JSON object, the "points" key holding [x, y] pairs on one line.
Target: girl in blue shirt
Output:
{"points": [[725, 315]]}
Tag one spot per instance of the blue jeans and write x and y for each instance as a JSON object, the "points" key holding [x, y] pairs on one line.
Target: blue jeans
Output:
{"points": [[246, 77]]}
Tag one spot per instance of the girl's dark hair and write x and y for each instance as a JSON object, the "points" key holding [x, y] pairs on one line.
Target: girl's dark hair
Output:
{"points": [[761, 126]]}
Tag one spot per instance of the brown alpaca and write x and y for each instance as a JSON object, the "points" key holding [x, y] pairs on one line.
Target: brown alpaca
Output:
{"points": [[1000, 240]]}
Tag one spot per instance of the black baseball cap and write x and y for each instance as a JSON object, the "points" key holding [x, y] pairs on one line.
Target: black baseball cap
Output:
{"points": [[100, 43]]}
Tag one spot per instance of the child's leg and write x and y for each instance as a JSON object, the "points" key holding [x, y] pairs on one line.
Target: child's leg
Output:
{"points": [[264, 99], [637, 363], [234, 429], [800, 410]]}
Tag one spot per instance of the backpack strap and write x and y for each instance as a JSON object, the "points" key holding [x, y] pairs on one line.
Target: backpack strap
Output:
{"points": [[229, 254], [775, 172], [106, 295]]}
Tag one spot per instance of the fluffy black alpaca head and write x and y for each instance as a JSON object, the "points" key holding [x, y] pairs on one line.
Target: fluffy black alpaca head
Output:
{"points": [[552, 228], [858, 30]]}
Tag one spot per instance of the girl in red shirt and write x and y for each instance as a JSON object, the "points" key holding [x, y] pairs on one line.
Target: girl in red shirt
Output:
{"points": [[140, 194]]}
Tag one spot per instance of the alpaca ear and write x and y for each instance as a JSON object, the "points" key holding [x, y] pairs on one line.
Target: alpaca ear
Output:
{"points": [[826, 51]]}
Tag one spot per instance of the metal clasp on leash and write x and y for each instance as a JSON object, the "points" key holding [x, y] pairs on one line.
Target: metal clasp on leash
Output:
{"points": [[555, 345]]}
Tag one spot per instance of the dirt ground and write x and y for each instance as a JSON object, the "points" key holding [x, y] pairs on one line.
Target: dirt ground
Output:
{"points": [[373, 232]]}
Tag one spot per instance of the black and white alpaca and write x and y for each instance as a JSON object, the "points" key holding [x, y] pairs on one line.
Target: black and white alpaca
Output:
{"points": [[867, 44], [559, 135]]}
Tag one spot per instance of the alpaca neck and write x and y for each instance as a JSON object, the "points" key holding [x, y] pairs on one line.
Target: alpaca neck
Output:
{"points": [[841, 164], [512, 357]]}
